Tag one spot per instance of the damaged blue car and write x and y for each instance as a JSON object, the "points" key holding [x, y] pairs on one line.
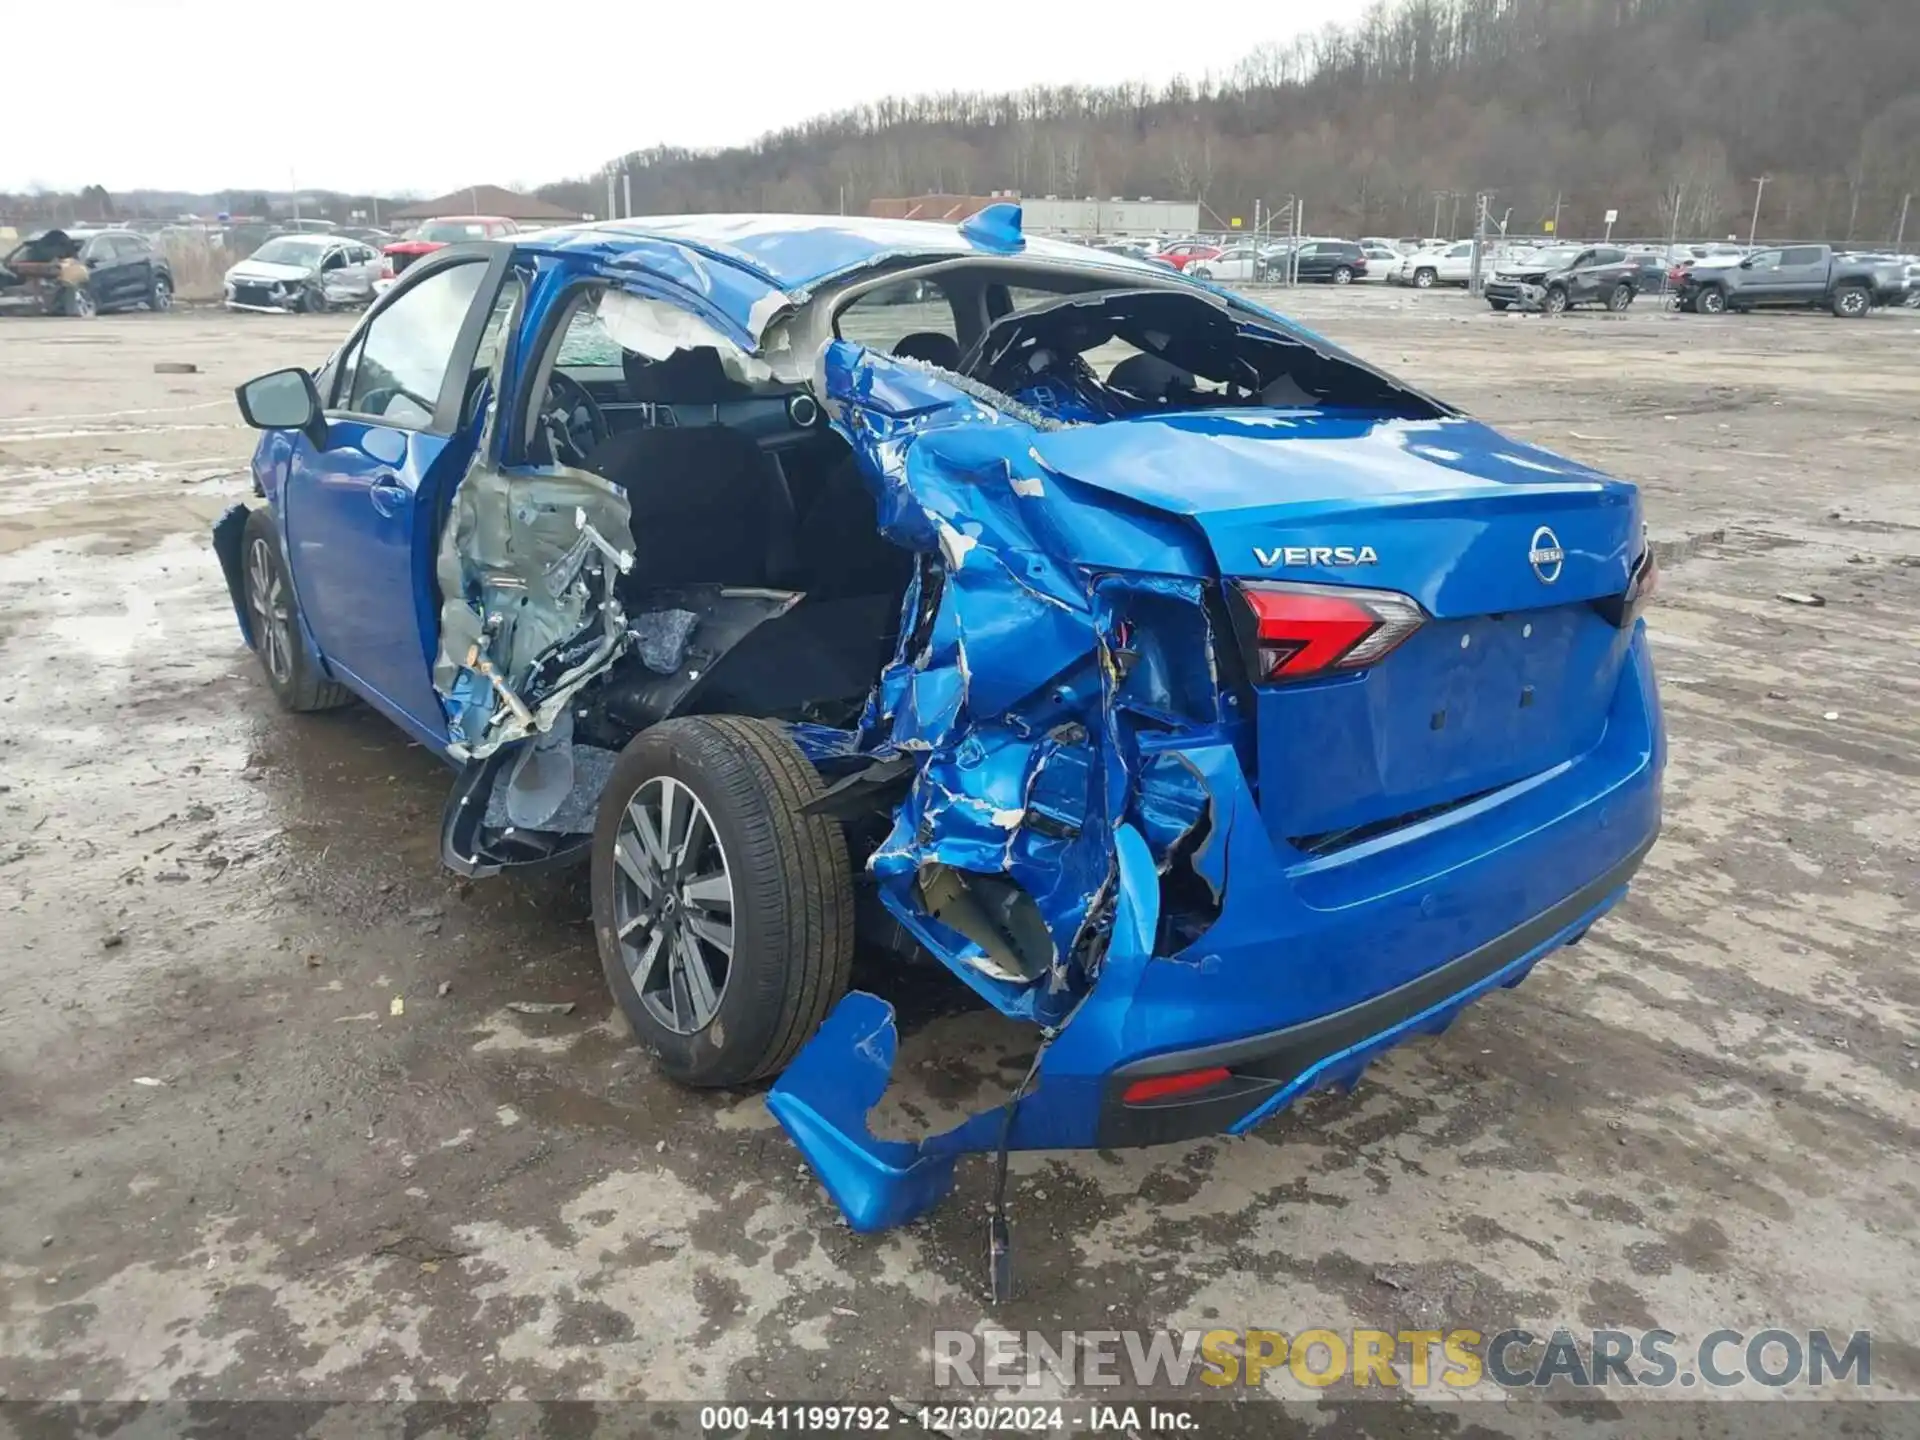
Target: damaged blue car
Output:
{"points": [[1191, 689]]}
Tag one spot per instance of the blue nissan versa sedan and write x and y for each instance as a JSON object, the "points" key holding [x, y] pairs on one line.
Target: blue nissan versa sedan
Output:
{"points": [[1191, 689]]}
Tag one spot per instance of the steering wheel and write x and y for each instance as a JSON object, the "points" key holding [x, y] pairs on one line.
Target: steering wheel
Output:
{"points": [[571, 420]]}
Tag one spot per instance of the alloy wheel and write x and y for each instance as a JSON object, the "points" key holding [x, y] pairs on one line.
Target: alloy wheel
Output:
{"points": [[162, 297], [273, 624], [673, 905]]}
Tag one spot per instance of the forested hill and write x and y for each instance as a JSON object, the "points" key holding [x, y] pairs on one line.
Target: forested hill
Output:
{"points": [[1633, 105]]}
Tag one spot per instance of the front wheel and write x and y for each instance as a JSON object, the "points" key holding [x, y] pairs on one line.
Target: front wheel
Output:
{"points": [[79, 303], [1620, 298], [1343, 274], [1711, 301], [1556, 301], [1498, 304], [723, 915], [273, 623], [160, 295], [313, 301], [1425, 278], [1199, 272]]}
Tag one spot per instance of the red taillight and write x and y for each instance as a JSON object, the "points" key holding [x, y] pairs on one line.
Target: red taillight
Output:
{"points": [[1299, 631], [1185, 1083]]}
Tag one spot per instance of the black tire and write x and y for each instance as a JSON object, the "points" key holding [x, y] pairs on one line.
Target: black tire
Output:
{"points": [[1425, 278], [160, 294], [791, 895], [1689, 302], [1710, 300], [1620, 297], [1556, 302], [79, 303], [1852, 302], [1343, 274], [313, 302], [1199, 272], [291, 673], [1499, 304]]}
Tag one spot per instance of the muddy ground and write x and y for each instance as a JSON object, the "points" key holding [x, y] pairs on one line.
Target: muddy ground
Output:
{"points": [[270, 1129]]}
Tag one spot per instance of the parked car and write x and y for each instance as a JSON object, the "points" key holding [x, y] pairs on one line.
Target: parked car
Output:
{"points": [[1564, 276], [437, 234], [1183, 253], [1795, 275], [304, 272], [1382, 256], [1230, 753], [1237, 262], [83, 272], [1338, 262], [1450, 264]]}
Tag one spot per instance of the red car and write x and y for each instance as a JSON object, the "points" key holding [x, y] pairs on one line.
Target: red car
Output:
{"points": [[438, 234], [1186, 252]]}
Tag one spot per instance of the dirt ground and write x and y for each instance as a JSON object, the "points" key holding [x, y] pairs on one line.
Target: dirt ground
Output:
{"points": [[270, 1129]]}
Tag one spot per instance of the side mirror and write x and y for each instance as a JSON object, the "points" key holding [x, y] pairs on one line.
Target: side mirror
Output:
{"points": [[1746, 264], [280, 400]]}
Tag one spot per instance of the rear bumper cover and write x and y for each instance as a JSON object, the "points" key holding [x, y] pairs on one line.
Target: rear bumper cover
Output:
{"points": [[1270, 1069], [1311, 972]]}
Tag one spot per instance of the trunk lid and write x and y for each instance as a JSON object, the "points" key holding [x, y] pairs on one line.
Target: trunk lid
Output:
{"points": [[1505, 546]]}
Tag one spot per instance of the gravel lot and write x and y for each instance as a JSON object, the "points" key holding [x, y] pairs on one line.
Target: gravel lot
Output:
{"points": [[1703, 1116]]}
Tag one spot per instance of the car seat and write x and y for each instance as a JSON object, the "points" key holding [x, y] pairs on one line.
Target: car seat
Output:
{"points": [[931, 347]]}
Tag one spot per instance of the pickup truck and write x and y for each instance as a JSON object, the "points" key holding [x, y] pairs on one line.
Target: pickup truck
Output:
{"points": [[1796, 276]]}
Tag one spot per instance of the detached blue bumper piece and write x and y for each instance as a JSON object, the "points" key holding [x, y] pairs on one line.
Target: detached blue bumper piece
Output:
{"points": [[823, 1099]]}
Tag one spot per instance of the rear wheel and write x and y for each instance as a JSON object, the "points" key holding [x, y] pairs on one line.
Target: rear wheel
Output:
{"points": [[1343, 274], [273, 617], [1425, 277], [1620, 297], [1850, 302], [724, 916], [1711, 300]]}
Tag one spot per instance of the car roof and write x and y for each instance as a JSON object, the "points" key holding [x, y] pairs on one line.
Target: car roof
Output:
{"points": [[795, 252], [750, 268]]}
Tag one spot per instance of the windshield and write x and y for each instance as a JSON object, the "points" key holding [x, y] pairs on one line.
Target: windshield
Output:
{"points": [[291, 250], [1557, 258], [449, 232]]}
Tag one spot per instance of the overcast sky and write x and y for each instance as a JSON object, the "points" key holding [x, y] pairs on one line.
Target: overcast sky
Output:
{"points": [[361, 95]]}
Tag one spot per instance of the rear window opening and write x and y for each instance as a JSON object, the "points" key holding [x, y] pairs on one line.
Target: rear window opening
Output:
{"points": [[1069, 354]]}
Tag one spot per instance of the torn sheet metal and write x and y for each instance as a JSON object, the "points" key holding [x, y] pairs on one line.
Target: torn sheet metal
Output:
{"points": [[1012, 668], [527, 567]]}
